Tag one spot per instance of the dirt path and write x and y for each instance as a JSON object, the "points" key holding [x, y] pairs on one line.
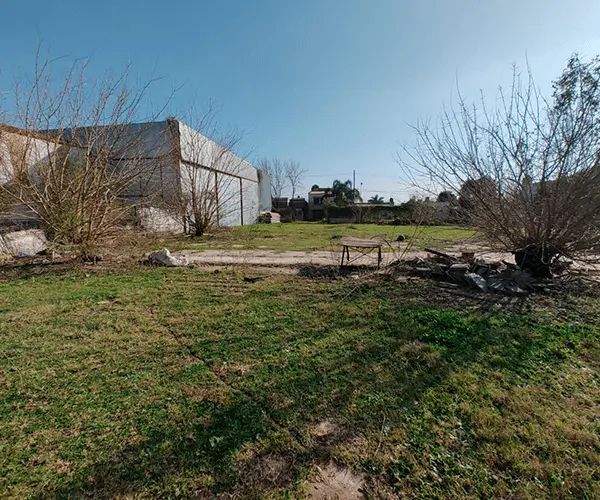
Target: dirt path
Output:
{"points": [[296, 258], [261, 257]]}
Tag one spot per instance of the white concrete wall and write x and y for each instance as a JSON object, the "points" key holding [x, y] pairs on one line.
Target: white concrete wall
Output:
{"points": [[18, 149], [264, 191], [231, 209], [158, 220], [200, 157], [251, 197], [238, 180], [199, 150], [6, 162]]}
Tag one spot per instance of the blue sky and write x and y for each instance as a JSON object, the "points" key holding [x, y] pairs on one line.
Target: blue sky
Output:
{"points": [[334, 85]]}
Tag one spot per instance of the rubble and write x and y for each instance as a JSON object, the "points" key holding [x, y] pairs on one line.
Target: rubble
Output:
{"points": [[486, 277], [164, 258], [269, 218], [92, 258], [476, 281], [23, 243], [458, 271], [442, 257], [508, 288], [264, 218]]}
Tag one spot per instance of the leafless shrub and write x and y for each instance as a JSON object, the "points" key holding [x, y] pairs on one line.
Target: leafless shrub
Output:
{"points": [[73, 158], [214, 181], [527, 171], [284, 175]]}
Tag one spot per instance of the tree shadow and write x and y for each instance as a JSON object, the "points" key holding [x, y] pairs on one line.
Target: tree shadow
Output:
{"points": [[332, 271], [26, 267], [260, 440]]}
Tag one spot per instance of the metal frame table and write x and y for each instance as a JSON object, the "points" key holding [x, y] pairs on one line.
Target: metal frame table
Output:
{"points": [[363, 246]]}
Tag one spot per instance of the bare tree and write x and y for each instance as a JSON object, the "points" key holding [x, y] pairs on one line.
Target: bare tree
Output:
{"points": [[527, 171], [75, 175], [294, 174], [278, 172], [214, 180], [283, 175]]}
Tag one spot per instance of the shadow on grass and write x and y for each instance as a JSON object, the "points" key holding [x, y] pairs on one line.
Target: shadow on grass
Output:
{"points": [[332, 271], [260, 441], [26, 267]]}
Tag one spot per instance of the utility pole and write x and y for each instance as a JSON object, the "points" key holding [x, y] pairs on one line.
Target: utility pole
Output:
{"points": [[353, 180]]}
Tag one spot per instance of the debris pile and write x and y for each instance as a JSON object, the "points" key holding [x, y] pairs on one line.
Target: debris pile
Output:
{"points": [[164, 258], [468, 272], [23, 243], [269, 218], [265, 218]]}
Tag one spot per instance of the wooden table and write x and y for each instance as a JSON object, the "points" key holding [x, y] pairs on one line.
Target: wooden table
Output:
{"points": [[363, 246]]}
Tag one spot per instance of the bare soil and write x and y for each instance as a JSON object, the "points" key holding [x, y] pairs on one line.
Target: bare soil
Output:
{"points": [[335, 483], [318, 258]]}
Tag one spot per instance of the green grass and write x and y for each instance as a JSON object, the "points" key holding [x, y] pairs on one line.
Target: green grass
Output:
{"points": [[310, 236], [177, 383]]}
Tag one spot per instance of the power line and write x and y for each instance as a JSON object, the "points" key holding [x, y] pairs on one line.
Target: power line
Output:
{"points": [[331, 175], [367, 176]]}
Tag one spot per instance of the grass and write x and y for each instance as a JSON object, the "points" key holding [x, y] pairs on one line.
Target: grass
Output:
{"points": [[176, 383], [310, 236]]}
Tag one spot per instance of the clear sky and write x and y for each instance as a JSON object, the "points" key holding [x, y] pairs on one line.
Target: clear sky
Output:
{"points": [[332, 84]]}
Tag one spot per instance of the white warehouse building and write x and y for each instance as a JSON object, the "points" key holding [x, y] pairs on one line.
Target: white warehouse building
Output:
{"points": [[174, 164], [181, 161]]}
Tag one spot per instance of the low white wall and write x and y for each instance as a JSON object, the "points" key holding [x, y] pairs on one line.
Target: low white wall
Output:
{"points": [[17, 149], [157, 220]]}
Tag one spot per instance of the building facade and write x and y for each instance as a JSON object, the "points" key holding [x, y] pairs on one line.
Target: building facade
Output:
{"points": [[316, 203], [173, 164]]}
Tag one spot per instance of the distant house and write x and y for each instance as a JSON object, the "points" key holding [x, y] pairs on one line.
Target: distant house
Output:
{"points": [[299, 209], [295, 209], [316, 203], [279, 202]]}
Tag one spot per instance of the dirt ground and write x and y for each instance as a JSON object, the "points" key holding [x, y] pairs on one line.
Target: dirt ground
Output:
{"points": [[318, 258]]}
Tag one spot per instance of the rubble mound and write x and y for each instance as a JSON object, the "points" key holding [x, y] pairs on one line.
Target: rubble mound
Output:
{"points": [[165, 258], [469, 272]]}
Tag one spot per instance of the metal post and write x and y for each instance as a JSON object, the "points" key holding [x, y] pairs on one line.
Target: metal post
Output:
{"points": [[242, 200], [217, 198]]}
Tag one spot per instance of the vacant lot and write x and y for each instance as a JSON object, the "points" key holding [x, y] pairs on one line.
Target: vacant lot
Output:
{"points": [[177, 383], [310, 236]]}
